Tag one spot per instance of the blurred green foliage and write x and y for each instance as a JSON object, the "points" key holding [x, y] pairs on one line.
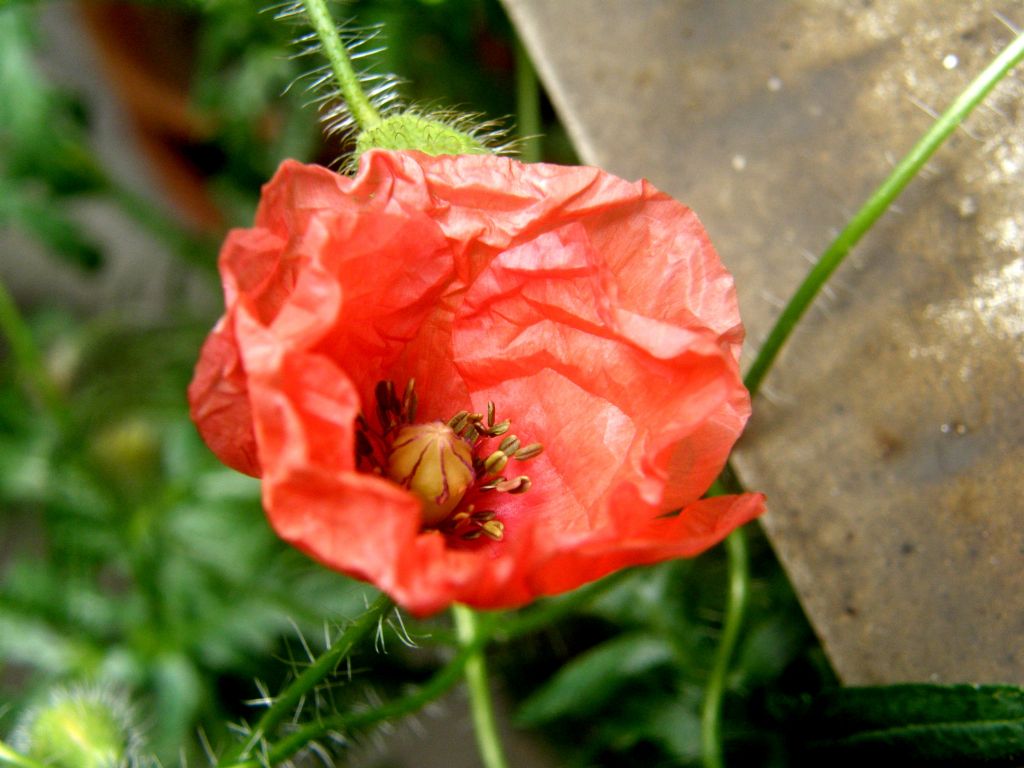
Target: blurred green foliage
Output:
{"points": [[132, 557], [620, 682]]}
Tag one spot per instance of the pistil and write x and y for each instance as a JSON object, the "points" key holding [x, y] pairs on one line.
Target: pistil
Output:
{"points": [[443, 463]]}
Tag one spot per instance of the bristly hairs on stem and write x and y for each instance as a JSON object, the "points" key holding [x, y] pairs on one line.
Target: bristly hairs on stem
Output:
{"points": [[380, 97], [352, 102], [310, 694]]}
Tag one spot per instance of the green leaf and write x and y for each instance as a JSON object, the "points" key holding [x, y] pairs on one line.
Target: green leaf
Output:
{"points": [[589, 680], [29, 641], [675, 725], [770, 645], [179, 691], [42, 217], [918, 724], [41, 127]]}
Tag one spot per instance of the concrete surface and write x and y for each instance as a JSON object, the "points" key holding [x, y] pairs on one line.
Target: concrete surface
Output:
{"points": [[890, 436]]}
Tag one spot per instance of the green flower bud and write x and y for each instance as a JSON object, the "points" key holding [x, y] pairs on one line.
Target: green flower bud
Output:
{"points": [[84, 728], [412, 131], [435, 464]]}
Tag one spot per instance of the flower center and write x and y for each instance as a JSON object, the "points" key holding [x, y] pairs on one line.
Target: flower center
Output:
{"points": [[441, 463], [435, 464]]}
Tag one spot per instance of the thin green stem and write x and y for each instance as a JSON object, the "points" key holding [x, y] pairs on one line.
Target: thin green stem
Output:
{"points": [[877, 204], [323, 24], [9, 756], [29, 359], [527, 107], [285, 704], [467, 629], [711, 712], [438, 685]]}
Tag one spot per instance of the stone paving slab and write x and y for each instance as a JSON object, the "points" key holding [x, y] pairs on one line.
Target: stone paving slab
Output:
{"points": [[890, 436]]}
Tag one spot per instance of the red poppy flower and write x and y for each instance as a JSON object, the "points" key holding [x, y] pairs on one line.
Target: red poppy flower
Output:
{"points": [[591, 313]]}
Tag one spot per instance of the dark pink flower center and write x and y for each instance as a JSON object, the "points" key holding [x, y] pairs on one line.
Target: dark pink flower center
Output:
{"points": [[443, 463]]}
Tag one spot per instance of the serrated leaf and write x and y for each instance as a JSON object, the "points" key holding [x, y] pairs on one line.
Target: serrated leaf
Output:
{"points": [[589, 680], [918, 723]]}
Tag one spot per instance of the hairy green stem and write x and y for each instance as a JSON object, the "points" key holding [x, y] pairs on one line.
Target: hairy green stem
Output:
{"points": [[30, 360], [342, 723], [876, 205], [467, 629], [323, 24], [736, 606], [285, 704], [527, 107], [9, 756]]}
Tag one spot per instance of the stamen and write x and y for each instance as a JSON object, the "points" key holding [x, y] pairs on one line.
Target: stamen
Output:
{"points": [[500, 429], [363, 445], [458, 421], [409, 402], [519, 484], [436, 461], [494, 529], [494, 463], [509, 445], [531, 450]]}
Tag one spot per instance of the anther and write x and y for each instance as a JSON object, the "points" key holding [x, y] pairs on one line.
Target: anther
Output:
{"points": [[519, 484], [509, 445], [499, 429], [384, 393], [490, 413], [363, 445], [494, 463], [409, 402], [459, 421], [529, 451], [493, 529]]}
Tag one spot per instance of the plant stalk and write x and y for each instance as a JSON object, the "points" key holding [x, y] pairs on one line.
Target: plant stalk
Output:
{"points": [[284, 705], [467, 629], [366, 116], [736, 606], [30, 360], [528, 121], [876, 205]]}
